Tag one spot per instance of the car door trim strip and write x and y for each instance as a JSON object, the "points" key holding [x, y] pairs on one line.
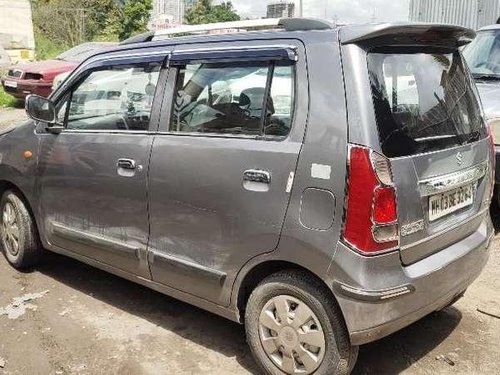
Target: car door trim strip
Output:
{"points": [[186, 266], [95, 240]]}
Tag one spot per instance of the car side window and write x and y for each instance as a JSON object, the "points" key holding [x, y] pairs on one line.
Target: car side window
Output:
{"points": [[114, 98], [228, 98]]}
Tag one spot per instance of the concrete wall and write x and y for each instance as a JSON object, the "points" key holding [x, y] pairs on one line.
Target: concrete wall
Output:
{"points": [[16, 26], [469, 13]]}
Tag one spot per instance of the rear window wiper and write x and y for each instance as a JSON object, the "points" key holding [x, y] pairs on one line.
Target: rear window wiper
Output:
{"points": [[435, 138]]}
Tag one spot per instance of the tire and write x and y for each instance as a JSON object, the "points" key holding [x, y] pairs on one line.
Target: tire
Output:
{"points": [[14, 214], [303, 295]]}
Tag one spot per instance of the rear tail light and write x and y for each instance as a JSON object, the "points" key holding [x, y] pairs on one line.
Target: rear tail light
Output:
{"points": [[371, 222], [384, 207]]}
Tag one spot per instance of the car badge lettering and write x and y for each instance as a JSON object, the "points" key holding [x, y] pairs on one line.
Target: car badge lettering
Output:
{"points": [[411, 228]]}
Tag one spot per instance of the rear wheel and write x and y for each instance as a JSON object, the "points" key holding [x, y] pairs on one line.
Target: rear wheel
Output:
{"points": [[294, 326], [18, 233]]}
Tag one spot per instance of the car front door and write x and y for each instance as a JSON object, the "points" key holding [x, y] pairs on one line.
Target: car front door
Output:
{"points": [[93, 175], [222, 165]]}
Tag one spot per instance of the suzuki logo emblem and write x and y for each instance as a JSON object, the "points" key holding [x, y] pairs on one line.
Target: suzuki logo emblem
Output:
{"points": [[460, 158]]}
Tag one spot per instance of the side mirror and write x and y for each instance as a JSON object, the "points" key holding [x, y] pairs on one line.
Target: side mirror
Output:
{"points": [[40, 109]]}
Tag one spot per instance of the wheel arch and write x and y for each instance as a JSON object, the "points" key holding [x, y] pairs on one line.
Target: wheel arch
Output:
{"points": [[8, 185], [247, 281]]}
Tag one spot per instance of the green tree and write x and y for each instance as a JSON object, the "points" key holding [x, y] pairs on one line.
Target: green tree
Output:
{"points": [[224, 12], [60, 24], [136, 15], [204, 12]]}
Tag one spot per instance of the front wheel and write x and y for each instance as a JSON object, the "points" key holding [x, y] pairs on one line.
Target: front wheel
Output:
{"points": [[18, 232], [294, 326]]}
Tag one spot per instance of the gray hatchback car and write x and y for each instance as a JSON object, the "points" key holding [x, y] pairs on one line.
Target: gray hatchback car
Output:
{"points": [[326, 186]]}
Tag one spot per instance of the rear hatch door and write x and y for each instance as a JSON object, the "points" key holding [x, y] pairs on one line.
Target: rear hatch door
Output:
{"points": [[430, 126]]}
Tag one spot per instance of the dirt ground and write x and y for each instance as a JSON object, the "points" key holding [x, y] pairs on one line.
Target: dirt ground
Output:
{"points": [[11, 116], [68, 318]]}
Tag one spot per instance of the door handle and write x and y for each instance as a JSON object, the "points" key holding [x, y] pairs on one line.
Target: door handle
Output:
{"points": [[126, 164], [256, 175]]}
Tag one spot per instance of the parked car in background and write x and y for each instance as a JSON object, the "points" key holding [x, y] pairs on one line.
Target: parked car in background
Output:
{"points": [[325, 185], [483, 58], [4, 60], [37, 77]]}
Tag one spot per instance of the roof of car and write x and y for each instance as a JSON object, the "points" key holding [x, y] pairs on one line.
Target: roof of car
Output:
{"points": [[295, 28]]}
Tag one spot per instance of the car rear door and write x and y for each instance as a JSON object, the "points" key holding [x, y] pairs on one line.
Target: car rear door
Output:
{"points": [[222, 165]]}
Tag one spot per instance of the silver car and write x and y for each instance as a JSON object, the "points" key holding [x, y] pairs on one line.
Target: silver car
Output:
{"points": [[483, 57], [326, 186]]}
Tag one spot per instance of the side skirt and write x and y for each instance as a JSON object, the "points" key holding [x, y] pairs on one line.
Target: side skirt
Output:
{"points": [[225, 312]]}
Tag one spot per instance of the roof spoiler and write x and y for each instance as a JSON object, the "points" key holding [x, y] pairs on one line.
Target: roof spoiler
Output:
{"points": [[407, 34]]}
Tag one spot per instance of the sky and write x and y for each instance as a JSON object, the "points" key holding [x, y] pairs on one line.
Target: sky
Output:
{"points": [[343, 11]]}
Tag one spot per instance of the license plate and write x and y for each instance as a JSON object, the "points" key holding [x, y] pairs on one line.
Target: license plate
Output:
{"points": [[10, 84], [445, 203]]}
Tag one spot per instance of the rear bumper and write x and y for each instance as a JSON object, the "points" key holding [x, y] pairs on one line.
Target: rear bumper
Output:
{"points": [[25, 88], [399, 296]]}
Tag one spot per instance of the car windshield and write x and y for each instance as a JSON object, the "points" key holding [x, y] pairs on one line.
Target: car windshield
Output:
{"points": [[483, 55], [81, 52]]}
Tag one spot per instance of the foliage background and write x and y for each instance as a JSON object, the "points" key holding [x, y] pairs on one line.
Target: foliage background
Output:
{"points": [[204, 12], [62, 24]]}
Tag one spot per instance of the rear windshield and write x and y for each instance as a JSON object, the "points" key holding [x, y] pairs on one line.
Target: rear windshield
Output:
{"points": [[424, 100]]}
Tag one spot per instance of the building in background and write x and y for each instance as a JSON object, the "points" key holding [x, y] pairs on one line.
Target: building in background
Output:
{"points": [[169, 13], [16, 30], [163, 21], [174, 8], [469, 13], [281, 9], [188, 4]]}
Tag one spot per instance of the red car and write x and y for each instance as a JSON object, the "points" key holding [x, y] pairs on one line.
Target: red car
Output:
{"points": [[37, 77]]}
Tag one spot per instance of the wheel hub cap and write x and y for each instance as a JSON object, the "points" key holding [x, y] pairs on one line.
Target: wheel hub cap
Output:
{"points": [[288, 337], [291, 335]]}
